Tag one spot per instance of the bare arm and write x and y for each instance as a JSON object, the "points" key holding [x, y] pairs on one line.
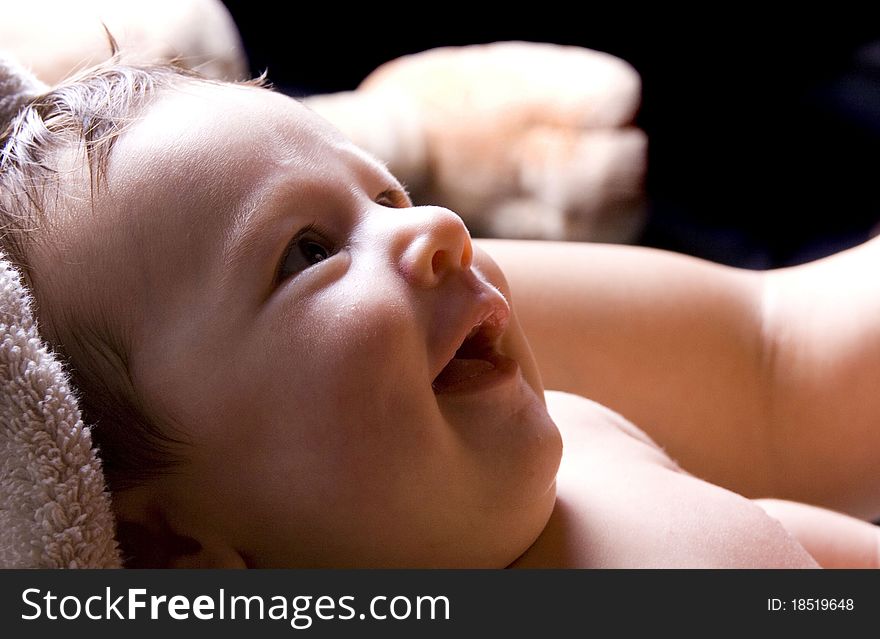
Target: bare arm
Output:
{"points": [[833, 539], [823, 322], [762, 382]]}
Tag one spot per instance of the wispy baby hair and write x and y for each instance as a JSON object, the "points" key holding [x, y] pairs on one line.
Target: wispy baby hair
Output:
{"points": [[85, 114]]}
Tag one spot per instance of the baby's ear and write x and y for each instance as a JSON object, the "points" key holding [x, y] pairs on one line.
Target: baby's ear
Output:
{"points": [[149, 546]]}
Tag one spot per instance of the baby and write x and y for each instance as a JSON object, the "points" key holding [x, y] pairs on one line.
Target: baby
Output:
{"points": [[287, 364]]}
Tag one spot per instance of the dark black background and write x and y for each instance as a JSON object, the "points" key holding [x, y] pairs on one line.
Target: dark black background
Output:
{"points": [[764, 131]]}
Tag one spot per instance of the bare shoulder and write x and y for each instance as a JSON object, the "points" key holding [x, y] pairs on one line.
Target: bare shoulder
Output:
{"points": [[622, 503]]}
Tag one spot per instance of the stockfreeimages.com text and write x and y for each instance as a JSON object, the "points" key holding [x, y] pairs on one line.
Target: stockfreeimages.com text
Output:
{"points": [[300, 610]]}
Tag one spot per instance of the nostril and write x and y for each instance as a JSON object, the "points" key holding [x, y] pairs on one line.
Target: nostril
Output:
{"points": [[444, 260], [438, 261]]}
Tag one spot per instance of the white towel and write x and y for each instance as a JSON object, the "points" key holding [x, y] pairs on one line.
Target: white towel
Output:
{"points": [[54, 508]]}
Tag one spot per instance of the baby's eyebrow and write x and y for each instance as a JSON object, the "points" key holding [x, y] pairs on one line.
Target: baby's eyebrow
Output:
{"points": [[241, 235], [380, 170], [246, 234]]}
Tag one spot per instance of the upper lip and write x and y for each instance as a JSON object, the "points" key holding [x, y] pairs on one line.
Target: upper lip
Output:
{"points": [[486, 321]]}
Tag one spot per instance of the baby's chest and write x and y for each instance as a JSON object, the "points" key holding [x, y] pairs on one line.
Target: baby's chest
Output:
{"points": [[619, 511], [622, 502], [621, 508]]}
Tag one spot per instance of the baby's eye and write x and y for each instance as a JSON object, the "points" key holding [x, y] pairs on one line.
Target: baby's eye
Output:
{"points": [[394, 198], [308, 248]]}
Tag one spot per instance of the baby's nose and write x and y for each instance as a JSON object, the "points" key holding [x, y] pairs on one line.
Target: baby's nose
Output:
{"points": [[436, 242]]}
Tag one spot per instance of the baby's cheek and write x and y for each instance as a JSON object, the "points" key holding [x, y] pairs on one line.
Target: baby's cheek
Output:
{"points": [[364, 360]]}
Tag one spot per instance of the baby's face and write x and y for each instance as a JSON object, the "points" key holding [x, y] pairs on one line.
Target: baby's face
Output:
{"points": [[299, 321]]}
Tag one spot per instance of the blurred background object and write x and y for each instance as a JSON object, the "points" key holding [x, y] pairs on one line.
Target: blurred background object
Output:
{"points": [[521, 139], [54, 38], [763, 128]]}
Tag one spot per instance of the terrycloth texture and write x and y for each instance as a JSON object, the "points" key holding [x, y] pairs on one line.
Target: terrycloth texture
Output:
{"points": [[54, 509]]}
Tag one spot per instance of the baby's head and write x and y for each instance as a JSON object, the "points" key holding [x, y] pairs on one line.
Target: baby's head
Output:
{"points": [[285, 362]]}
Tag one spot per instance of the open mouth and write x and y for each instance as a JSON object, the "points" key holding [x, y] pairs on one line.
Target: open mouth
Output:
{"points": [[476, 360]]}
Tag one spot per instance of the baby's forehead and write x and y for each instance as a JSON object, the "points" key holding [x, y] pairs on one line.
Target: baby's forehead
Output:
{"points": [[196, 154], [204, 139], [199, 129], [209, 117], [205, 156]]}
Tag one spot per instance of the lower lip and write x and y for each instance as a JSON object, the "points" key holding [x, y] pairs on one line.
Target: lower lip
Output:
{"points": [[504, 370]]}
